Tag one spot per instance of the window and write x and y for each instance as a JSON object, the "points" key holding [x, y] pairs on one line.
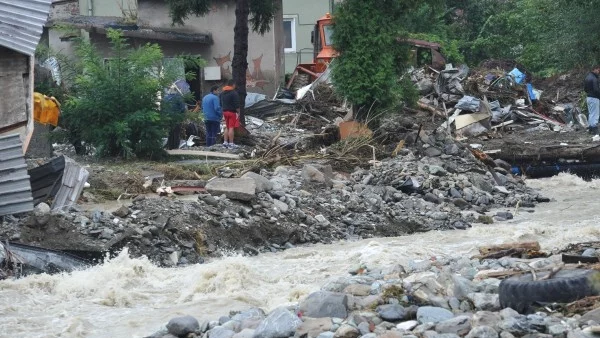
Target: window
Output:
{"points": [[289, 34], [328, 30]]}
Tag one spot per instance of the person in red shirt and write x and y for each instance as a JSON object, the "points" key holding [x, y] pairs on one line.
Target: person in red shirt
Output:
{"points": [[230, 103]]}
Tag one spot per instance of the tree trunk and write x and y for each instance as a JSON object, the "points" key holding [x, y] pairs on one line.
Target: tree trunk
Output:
{"points": [[240, 52]]}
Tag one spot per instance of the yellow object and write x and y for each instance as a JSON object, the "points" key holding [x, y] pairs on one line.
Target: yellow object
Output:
{"points": [[45, 109]]}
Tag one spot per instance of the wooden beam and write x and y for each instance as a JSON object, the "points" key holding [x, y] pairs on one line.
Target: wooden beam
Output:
{"points": [[213, 154], [486, 250]]}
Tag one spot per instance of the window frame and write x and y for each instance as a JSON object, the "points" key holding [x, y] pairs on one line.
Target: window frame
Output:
{"points": [[292, 19]]}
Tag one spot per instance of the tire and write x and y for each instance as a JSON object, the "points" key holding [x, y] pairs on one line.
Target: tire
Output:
{"points": [[521, 292], [300, 81]]}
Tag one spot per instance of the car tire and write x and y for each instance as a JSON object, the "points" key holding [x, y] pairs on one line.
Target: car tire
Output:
{"points": [[521, 292]]}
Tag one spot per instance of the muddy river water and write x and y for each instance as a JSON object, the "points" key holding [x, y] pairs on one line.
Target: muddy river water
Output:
{"points": [[127, 297]]}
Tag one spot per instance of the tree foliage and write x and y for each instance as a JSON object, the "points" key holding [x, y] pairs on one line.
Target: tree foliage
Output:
{"points": [[547, 36], [114, 102], [371, 60]]}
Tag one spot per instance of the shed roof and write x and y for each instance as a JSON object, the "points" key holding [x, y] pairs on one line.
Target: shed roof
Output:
{"points": [[22, 23]]}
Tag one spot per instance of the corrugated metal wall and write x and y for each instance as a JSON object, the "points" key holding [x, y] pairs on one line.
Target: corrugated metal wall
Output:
{"points": [[22, 23], [15, 188]]}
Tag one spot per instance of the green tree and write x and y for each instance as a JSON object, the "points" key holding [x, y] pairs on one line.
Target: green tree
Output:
{"points": [[258, 13], [371, 60], [114, 102]]}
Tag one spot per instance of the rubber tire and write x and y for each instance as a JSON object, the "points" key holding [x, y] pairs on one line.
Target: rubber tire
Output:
{"points": [[300, 81], [521, 292]]}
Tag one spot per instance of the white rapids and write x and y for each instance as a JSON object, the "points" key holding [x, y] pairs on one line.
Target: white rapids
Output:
{"points": [[127, 297]]}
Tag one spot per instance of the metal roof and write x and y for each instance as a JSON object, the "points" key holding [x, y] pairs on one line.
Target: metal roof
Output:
{"points": [[15, 189], [21, 23]]}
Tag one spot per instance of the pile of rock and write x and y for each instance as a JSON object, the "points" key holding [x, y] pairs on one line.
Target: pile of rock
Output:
{"points": [[292, 205], [438, 298]]}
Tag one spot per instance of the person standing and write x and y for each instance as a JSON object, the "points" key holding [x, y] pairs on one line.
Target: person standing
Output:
{"points": [[211, 108], [174, 106], [230, 102], [592, 89]]}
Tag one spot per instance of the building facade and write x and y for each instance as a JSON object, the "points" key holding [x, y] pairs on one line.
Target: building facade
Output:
{"points": [[210, 37], [299, 19]]}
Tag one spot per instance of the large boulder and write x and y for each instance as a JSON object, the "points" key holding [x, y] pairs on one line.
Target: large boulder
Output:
{"points": [[347, 331], [220, 332], [243, 189], [182, 326], [431, 314], [391, 312], [460, 325], [313, 327], [482, 332], [280, 323], [325, 304]]}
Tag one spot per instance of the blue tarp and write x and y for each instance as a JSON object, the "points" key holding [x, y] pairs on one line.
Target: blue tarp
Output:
{"points": [[518, 75]]}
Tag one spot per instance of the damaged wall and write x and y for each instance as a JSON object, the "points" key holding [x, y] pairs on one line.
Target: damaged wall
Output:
{"points": [[265, 53]]}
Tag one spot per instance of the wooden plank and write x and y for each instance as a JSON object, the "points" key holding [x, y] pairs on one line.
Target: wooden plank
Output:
{"points": [[503, 124], [486, 250], [203, 153], [13, 105]]}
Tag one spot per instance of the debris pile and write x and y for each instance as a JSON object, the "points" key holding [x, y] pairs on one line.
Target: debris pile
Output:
{"points": [[443, 296], [440, 185]]}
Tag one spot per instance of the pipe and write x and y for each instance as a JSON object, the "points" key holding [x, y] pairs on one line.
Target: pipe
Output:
{"points": [[90, 7]]}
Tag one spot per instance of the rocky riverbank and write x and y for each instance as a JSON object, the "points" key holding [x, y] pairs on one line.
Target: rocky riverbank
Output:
{"points": [[437, 186], [437, 297]]}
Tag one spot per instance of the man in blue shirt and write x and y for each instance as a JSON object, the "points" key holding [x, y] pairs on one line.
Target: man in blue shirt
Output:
{"points": [[211, 107]]}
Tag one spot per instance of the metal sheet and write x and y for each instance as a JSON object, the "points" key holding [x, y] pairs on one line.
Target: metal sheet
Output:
{"points": [[22, 23], [15, 188], [73, 180]]}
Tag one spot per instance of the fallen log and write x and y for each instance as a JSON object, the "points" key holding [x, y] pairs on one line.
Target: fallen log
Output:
{"points": [[430, 109], [525, 246], [579, 259], [527, 153]]}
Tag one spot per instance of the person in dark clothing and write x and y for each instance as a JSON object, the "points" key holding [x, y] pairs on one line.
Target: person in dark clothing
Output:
{"points": [[211, 108], [230, 103], [174, 106], [591, 85]]}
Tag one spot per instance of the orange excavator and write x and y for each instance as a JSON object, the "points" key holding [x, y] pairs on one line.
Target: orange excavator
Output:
{"points": [[422, 52], [323, 53]]}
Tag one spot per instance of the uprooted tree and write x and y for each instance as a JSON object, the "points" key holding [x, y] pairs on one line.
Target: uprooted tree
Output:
{"points": [[259, 13]]}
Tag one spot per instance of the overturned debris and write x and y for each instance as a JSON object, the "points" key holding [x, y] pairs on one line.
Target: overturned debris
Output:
{"points": [[18, 260], [61, 179]]}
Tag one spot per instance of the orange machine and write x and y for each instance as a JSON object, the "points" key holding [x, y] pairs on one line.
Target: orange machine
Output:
{"points": [[45, 109], [323, 52], [422, 53]]}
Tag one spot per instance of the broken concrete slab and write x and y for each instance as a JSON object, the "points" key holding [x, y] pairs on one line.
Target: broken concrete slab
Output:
{"points": [[262, 183], [243, 189]]}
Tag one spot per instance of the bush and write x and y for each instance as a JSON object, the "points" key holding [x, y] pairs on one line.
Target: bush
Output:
{"points": [[114, 106]]}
